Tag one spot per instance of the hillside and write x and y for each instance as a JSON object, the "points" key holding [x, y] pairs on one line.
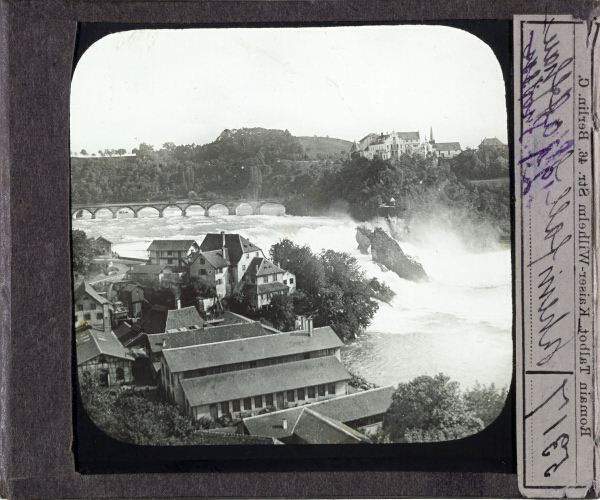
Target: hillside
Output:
{"points": [[324, 146]]}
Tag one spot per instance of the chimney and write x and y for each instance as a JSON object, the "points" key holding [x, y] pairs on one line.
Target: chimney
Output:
{"points": [[178, 303], [284, 424], [310, 326], [223, 245]]}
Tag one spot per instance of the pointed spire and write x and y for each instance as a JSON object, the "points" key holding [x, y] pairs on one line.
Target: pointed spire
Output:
{"points": [[431, 133]]}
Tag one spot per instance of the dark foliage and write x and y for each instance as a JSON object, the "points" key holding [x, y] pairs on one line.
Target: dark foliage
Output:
{"points": [[82, 251], [428, 409]]}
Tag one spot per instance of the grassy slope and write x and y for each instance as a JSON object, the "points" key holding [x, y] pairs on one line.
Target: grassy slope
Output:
{"points": [[324, 145]]}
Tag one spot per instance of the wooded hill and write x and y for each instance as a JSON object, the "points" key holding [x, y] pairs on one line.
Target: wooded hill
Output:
{"points": [[310, 174]]}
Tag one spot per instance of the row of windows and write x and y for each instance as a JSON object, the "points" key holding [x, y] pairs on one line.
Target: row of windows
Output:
{"points": [[91, 306], [256, 364], [278, 401], [88, 317]]}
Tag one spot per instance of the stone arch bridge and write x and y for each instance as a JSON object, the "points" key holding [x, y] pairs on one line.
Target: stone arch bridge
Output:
{"points": [[160, 206]]}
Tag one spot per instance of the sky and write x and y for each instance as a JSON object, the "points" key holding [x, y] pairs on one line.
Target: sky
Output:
{"points": [[187, 86]]}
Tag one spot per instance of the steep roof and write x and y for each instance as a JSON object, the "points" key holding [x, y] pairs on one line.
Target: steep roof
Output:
{"points": [[343, 408], [131, 287], [154, 320], [91, 343], [236, 245], [103, 239], [447, 146], [214, 258], [229, 318], [491, 142], [358, 405], [148, 269], [208, 335], [174, 245], [249, 349], [409, 136], [314, 428], [259, 266], [86, 288], [182, 318], [265, 380]]}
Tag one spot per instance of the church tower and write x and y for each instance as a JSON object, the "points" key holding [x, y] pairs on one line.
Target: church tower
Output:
{"points": [[431, 139]]}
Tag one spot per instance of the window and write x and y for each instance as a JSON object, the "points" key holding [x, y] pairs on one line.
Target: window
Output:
{"points": [[80, 307], [92, 306], [247, 403], [257, 254], [99, 316], [258, 402], [291, 281], [247, 256], [87, 317], [301, 395], [225, 408], [331, 388], [285, 282], [311, 392], [236, 405], [269, 399], [290, 396], [202, 261], [203, 272], [170, 261], [219, 281], [170, 253], [321, 390], [120, 373], [243, 268]]}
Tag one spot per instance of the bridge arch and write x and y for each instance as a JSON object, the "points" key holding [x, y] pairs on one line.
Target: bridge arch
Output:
{"points": [[148, 212], [194, 209], [216, 208], [103, 213], [270, 208], [243, 208], [122, 210], [167, 209], [83, 213]]}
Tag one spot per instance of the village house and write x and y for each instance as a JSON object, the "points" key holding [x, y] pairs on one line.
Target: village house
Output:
{"points": [[100, 354], [148, 274], [132, 296], [212, 269], [263, 280], [102, 246], [447, 150], [174, 253], [248, 374], [230, 263], [491, 143], [92, 308], [362, 411], [387, 146], [234, 248], [302, 425], [230, 329]]}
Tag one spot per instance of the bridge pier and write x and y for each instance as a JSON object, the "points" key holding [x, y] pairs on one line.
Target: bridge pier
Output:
{"points": [[160, 214], [94, 215], [115, 216], [135, 215], [184, 213], [206, 212], [231, 210]]}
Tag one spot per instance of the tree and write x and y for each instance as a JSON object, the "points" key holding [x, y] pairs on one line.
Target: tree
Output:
{"points": [[281, 312], [429, 409], [83, 152], [486, 402], [82, 251]]}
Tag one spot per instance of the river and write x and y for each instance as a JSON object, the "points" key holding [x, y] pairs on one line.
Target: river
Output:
{"points": [[459, 322]]}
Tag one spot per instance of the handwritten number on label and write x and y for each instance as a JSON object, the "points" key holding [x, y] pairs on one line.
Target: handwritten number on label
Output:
{"points": [[564, 440]]}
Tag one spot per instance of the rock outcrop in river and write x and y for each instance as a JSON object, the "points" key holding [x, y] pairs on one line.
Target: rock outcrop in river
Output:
{"points": [[386, 251]]}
